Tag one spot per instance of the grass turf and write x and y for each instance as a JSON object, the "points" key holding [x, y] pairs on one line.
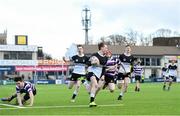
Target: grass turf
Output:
{"points": [[55, 100]]}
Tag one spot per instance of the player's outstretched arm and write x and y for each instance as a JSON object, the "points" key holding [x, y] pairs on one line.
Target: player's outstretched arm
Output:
{"points": [[19, 99], [31, 98]]}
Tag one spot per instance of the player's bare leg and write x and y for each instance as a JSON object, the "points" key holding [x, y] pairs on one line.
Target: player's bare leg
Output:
{"points": [[100, 84], [164, 86], [71, 84], [137, 88], [111, 87], [124, 88], [120, 84], [126, 83], [94, 86], [9, 98], [76, 91], [170, 83]]}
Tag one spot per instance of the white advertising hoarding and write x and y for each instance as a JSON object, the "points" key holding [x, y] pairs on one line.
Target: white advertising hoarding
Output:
{"points": [[18, 62], [58, 82]]}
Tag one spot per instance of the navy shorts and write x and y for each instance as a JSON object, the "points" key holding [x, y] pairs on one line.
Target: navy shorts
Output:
{"points": [[75, 77], [89, 75], [137, 78], [109, 78], [170, 77], [122, 76], [26, 96]]}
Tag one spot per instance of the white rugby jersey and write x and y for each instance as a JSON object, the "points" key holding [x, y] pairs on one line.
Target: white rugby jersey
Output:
{"points": [[98, 70], [126, 63], [172, 70], [80, 64]]}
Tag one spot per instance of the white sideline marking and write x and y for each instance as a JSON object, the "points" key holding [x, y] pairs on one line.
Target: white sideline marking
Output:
{"points": [[47, 107], [10, 105]]}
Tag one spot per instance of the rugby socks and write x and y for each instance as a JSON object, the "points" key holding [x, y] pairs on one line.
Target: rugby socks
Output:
{"points": [[136, 88], [121, 94], [9, 98], [92, 95], [92, 99], [74, 94], [85, 83], [92, 103], [12, 97], [164, 87]]}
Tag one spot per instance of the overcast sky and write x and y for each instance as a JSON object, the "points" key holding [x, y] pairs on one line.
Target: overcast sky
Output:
{"points": [[56, 24]]}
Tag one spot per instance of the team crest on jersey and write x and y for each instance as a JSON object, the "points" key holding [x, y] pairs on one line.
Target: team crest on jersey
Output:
{"points": [[124, 59]]}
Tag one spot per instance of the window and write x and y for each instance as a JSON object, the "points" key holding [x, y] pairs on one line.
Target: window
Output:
{"points": [[147, 61], [153, 62], [18, 55], [13, 55], [150, 61], [142, 61], [25, 55], [6, 56], [158, 62]]}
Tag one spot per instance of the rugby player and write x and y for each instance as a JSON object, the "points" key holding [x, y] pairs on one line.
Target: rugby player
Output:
{"points": [[23, 87], [137, 72], [110, 72], [172, 71], [126, 61], [96, 70], [164, 73], [79, 71]]}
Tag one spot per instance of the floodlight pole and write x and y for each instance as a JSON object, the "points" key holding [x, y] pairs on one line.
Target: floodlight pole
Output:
{"points": [[86, 21]]}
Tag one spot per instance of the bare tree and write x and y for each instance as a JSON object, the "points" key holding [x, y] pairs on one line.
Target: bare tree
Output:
{"points": [[176, 34], [47, 56], [118, 39], [105, 40], [163, 33], [114, 39], [132, 37], [145, 40]]}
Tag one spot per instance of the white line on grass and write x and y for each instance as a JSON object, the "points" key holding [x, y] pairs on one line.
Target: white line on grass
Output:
{"points": [[10, 105], [47, 107]]}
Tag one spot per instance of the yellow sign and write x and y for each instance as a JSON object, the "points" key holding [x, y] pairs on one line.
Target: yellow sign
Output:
{"points": [[21, 40]]}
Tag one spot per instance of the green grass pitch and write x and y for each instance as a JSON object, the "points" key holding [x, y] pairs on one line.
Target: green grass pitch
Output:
{"points": [[55, 100]]}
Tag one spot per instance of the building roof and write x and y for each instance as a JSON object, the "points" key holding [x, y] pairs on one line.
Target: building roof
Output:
{"points": [[137, 50], [26, 48]]}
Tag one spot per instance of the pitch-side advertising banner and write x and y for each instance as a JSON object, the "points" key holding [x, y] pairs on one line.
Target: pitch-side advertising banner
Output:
{"points": [[41, 68]]}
